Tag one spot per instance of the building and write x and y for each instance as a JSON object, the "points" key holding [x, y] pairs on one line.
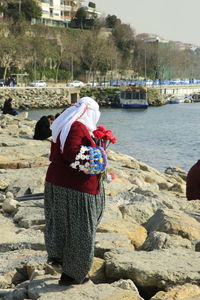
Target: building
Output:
{"points": [[151, 38], [58, 12], [92, 12]]}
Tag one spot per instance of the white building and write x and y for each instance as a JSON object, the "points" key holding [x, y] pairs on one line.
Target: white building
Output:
{"points": [[58, 12]]}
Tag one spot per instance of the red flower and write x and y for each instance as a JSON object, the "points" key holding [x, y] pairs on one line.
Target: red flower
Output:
{"points": [[113, 176], [110, 136], [113, 140], [98, 134], [101, 128], [104, 135]]}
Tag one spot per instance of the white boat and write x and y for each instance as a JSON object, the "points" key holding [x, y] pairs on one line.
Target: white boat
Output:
{"points": [[176, 99], [134, 97]]}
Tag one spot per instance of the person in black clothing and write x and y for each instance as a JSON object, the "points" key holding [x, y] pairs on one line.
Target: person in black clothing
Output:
{"points": [[7, 107], [193, 182], [42, 128]]}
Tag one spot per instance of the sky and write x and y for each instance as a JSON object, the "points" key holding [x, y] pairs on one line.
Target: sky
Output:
{"points": [[177, 20]]}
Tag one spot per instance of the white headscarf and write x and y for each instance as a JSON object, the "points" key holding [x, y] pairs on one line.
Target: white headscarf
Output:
{"points": [[86, 111]]}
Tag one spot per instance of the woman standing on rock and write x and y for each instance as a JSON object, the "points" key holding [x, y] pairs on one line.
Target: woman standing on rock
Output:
{"points": [[74, 197]]}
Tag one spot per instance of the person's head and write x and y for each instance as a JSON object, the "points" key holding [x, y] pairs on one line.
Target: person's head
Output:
{"points": [[91, 113], [50, 118], [86, 111], [57, 115], [9, 99]]}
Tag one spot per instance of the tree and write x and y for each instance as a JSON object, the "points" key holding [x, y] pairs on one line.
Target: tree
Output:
{"points": [[112, 21], [124, 39], [80, 18], [29, 9], [8, 53], [97, 54]]}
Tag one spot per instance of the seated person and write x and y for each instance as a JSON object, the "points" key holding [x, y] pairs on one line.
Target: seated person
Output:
{"points": [[42, 128], [193, 182], [7, 107]]}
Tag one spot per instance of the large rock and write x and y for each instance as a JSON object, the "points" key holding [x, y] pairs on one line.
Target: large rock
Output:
{"points": [[140, 210], [135, 232], [162, 240], [29, 216], [174, 222], [155, 269], [13, 238], [9, 205], [97, 271], [13, 264], [180, 292], [108, 241], [45, 288]]}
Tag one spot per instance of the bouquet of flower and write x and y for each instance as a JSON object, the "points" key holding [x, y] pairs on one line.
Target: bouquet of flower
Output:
{"points": [[104, 137], [93, 160], [90, 160]]}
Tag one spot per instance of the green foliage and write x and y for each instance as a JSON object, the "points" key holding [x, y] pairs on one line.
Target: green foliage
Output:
{"points": [[125, 40], [30, 9], [107, 95], [112, 21], [153, 94], [58, 53], [26, 9], [63, 75], [80, 18]]}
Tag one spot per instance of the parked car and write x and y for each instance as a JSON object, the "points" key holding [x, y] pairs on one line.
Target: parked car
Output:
{"points": [[38, 83], [92, 83], [2, 82], [105, 83], [76, 83]]}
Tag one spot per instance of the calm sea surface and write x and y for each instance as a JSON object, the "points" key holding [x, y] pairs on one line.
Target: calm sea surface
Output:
{"points": [[160, 136]]}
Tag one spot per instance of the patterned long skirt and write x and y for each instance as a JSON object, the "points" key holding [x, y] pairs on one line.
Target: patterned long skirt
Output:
{"points": [[71, 221]]}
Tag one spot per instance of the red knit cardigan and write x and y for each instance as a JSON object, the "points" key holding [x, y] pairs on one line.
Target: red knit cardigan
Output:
{"points": [[59, 171]]}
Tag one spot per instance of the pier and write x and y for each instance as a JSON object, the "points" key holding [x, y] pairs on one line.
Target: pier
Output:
{"points": [[178, 90]]}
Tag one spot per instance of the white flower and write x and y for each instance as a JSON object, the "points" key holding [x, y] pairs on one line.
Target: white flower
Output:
{"points": [[73, 165], [87, 157], [83, 149], [82, 156], [77, 163], [78, 156], [108, 178], [82, 168], [87, 164]]}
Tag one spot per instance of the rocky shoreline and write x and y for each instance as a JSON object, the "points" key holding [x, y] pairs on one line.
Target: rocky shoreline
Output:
{"points": [[147, 245]]}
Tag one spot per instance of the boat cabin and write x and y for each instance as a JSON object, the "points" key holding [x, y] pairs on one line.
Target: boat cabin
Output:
{"points": [[134, 97]]}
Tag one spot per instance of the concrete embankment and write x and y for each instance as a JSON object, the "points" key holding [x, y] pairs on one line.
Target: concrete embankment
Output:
{"points": [[147, 244], [34, 97]]}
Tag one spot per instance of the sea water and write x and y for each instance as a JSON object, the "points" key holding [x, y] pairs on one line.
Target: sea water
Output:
{"points": [[161, 136]]}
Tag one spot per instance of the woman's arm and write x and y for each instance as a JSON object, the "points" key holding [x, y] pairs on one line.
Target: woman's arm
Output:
{"points": [[77, 137]]}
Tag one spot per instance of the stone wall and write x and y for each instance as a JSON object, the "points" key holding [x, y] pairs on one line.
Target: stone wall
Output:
{"points": [[31, 97]]}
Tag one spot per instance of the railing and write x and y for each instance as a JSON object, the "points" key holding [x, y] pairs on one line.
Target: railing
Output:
{"points": [[126, 82], [65, 7]]}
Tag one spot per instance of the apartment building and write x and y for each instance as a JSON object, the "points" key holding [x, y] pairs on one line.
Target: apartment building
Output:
{"points": [[58, 12]]}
